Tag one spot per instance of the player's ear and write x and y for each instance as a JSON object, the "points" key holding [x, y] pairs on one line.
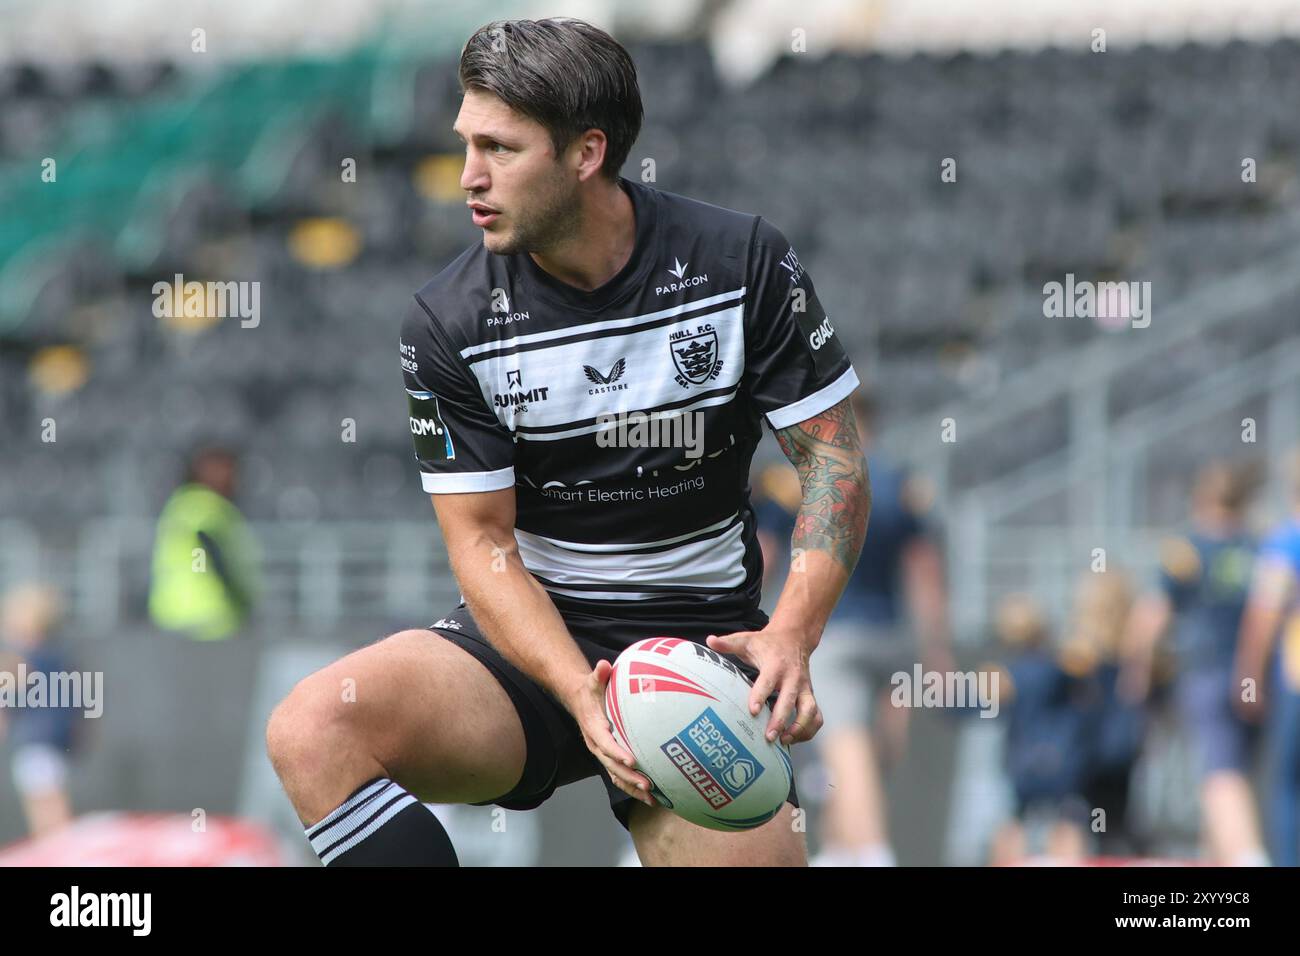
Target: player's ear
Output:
{"points": [[591, 148]]}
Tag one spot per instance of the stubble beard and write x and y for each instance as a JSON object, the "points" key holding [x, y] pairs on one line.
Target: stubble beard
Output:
{"points": [[555, 220]]}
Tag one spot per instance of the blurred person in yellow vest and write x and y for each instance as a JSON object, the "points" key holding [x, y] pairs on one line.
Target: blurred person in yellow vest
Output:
{"points": [[205, 561]]}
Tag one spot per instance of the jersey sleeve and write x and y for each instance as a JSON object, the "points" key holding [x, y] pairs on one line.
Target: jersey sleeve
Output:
{"points": [[1283, 547], [1276, 573], [795, 365], [459, 443]]}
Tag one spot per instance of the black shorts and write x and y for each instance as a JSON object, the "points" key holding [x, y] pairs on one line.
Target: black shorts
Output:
{"points": [[556, 754]]}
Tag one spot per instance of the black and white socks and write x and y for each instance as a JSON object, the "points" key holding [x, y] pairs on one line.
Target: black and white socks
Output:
{"points": [[381, 824]]}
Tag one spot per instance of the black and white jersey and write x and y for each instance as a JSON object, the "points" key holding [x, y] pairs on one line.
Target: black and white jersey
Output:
{"points": [[625, 418]]}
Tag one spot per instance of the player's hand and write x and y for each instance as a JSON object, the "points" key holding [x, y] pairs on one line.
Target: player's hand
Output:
{"points": [[781, 658], [587, 705]]}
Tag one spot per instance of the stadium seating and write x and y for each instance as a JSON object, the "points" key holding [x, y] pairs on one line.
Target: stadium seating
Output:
{"points": [[1127, 166]]}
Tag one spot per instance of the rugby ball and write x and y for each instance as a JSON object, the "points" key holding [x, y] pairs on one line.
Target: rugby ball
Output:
{"points": [[682, 710]]}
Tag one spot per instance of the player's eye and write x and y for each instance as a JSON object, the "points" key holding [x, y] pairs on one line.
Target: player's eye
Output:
{"points": [[502, 146]]}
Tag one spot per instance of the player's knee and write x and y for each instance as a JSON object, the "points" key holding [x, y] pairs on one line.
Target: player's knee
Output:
{"points": [[284, 734], [307, 729]]}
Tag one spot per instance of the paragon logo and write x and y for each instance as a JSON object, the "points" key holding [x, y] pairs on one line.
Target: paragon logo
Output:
{"points": [[605, 383], [501, 308], [508, 318], [679, 270], [520, 399]]}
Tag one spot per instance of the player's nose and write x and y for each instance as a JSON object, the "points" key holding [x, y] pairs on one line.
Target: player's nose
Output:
{"points": [[473, 178]]}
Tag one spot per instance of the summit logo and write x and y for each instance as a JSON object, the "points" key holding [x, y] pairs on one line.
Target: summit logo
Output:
{"points": [[520, 398], [683, 281]]}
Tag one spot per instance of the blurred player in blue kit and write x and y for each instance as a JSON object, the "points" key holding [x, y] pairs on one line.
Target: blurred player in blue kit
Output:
{"points": [[1268, 681], [1204, 579]]}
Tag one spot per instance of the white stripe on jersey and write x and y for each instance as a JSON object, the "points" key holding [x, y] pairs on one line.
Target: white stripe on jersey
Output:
{"points": [[604, 325], [597, 426], [461, 482], [816, 403], [585, 548], [650, 374], [709, 562], [606, 595]]}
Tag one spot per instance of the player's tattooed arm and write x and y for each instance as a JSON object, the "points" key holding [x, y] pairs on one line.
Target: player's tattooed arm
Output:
{"points": [[828, 533], [827, 453]]}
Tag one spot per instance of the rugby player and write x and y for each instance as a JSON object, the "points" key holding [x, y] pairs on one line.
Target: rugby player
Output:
{"points": [[590, 298], [1268, 661]]}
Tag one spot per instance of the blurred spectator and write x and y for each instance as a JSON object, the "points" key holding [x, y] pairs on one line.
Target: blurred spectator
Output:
{"points": [[776, 498], [1204, 577], [1095, 654], [205, 575], [1046, 743], [1273, 606], [865, 643], [43, 737]]}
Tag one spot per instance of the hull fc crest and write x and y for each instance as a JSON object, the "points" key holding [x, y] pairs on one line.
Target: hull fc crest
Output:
{"points": [[695, 353]]}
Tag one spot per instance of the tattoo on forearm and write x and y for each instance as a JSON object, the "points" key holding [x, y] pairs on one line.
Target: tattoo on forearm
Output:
{"points": [[827, 454]]}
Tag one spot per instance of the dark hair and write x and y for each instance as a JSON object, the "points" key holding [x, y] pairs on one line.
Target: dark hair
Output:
{"points": [[1229, 484], [202, 453], [563, 73]]}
